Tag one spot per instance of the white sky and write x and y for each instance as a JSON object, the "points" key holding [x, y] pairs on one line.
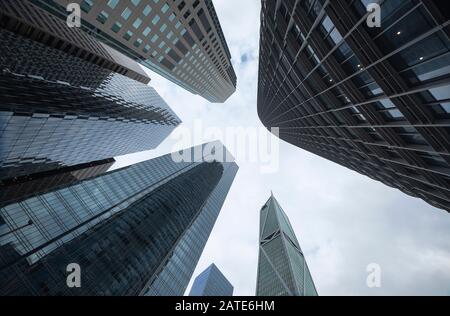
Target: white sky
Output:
{"points": [[344, 221]]}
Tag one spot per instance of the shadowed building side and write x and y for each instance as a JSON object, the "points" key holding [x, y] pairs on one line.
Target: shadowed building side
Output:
{"points": [[375, 100], [120, 227]]}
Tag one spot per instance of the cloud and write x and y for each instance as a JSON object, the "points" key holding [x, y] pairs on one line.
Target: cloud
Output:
{"points": [[343, 220]]}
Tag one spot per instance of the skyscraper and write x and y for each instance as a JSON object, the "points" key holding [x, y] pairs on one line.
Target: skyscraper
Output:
{"points": [[375, 100], [123, 228], [181, 40], [211, 282], [19, 188], [30, 21], [59, 110], [282, 268]]}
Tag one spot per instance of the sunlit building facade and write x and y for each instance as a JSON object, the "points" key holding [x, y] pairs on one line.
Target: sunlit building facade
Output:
{"points": [[375, 100]]}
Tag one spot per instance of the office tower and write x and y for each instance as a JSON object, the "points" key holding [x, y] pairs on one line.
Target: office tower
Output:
{"points": [[123, 228], [211, 282], [181, 40], [19, 188], [28, 20], [282, 268], [59, 110], [375, 100]]}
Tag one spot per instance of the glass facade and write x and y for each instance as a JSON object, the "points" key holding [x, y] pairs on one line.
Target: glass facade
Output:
{"points": [[59, 110], [282, 268], [177, 270], [375, 100], [121, 228], [182, 40], [211, 282], [28, 20], [18, 188]]}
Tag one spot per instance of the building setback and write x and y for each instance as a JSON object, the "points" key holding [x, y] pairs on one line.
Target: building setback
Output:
{"points": [[181, 40], [282, 268], [59, 110], [122, 228], [375, 100], [211, 282]]}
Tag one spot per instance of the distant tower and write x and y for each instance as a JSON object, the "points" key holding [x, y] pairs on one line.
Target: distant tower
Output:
{"points": [[282, 268], [211, 282]]}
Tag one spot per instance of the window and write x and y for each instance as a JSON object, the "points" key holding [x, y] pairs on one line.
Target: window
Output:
{"points": [[113, 3], [126, 13], [102, 17], [137, 23], [116, 27]]}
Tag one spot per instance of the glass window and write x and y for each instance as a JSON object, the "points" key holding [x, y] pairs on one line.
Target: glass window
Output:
{"points": [[113, 3], [126, 13], [137, 23]]}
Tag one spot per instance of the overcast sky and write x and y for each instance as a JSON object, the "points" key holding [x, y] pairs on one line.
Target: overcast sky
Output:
{"points": [[344, 221]]}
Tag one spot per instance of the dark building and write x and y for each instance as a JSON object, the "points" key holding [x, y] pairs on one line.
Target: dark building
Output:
{"points": [[375, 100], [282, 268], [19, 188], [125, 229], [59, 110], [181, 40], [211, 282]]}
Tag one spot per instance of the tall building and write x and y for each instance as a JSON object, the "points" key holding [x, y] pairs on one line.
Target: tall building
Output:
{"points": [[375, 100], [181, 40], [59, 110], [211, 282], [125, 229], [25, 18], [19, 188], [282, 268]]}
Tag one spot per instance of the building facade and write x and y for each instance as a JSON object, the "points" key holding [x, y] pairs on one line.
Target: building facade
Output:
{"points": [[375, 100], [181, 40], [30, 21], [19, 188], [211, 282], [59, 110], [122, 228], [282, 268]]}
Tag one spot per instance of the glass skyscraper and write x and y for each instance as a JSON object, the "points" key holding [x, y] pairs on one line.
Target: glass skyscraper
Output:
{"points": [[126, 229], [211, 282], [373, 99], [282, 268], [59, 110], [182, 40], [19, 188]]}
